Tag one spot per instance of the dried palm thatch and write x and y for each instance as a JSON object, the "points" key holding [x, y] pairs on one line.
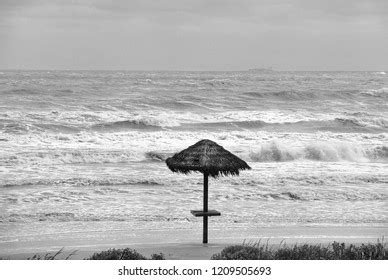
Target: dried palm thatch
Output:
{"points": [[211, 159], [206, 157]]}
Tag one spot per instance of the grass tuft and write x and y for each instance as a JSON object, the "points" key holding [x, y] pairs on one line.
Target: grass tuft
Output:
{"points": [[50, 256]]}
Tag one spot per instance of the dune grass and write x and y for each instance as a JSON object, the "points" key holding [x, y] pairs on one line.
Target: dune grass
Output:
{"points": [[334, 251], [52, 256]]}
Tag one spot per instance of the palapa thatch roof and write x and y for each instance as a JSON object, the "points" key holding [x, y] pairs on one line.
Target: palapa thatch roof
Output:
{"points": [[206, 157]]}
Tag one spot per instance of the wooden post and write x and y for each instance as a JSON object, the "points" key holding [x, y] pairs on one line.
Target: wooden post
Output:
{"points": [[205, 208]]}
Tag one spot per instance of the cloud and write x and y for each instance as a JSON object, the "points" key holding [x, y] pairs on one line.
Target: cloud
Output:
{"points": [[346, 8], [178, 12], [208, 34]]}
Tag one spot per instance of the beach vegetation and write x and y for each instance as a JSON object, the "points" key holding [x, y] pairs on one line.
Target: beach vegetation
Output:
{"points": [[52, 256], [253, 251], [333, 251], [123, 254]]}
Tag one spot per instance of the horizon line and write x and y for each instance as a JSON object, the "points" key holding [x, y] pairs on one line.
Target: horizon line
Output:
{"points": [[190, 70]]}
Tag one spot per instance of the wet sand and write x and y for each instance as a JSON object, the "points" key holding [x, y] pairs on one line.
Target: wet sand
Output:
{"points": [[182, 244]]}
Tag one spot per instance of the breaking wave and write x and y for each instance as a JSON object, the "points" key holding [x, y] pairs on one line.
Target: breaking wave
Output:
{"points": [[268, 152], [84, 157], [282, 196], [68, 157], [140, 123], [322, 151], [21, 91], [114, 181], [346, 125], [157, 156], [382, 92], [284, 95], [293, 95], [73, 122]]}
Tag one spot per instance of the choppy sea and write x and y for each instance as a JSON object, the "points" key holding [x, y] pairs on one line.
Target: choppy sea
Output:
{"points": [[85, 150]]}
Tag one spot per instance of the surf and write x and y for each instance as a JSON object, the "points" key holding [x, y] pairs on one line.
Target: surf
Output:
{"points": [[275, 151]]}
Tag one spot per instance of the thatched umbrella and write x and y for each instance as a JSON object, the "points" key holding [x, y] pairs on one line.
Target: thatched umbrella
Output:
{"points": [[211, 159]]}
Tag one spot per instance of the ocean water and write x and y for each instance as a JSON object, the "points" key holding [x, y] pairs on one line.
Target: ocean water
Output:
{"points": [[84, 151]]}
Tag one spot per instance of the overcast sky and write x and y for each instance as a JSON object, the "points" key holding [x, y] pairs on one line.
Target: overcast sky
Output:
{"points": [[194, 34]]}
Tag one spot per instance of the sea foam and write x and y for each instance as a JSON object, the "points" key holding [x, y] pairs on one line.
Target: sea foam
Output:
{"points": [[318, 151]]}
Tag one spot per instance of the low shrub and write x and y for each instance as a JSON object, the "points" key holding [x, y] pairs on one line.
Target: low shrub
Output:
{"points": [[159, 256]]}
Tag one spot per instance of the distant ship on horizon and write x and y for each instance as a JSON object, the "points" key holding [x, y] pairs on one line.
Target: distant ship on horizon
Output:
{"points": [[261, 70]]}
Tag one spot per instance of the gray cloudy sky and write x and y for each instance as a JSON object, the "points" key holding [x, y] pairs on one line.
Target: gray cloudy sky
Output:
{"points": [[194, 34]]}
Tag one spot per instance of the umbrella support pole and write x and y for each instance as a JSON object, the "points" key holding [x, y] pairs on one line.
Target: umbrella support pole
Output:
{"points": [[205, 212], [205, 206]]}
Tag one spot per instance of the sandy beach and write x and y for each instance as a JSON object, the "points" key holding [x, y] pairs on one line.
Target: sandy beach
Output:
{"points": [[190, 246]]}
